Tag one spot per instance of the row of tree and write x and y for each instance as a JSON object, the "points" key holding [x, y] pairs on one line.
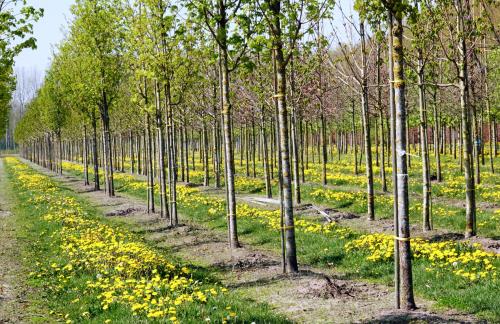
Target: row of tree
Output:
{"points": [[150, 81]]}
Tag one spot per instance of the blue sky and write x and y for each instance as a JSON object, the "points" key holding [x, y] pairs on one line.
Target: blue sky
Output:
{"points": [[47, 31], [50, 30]]}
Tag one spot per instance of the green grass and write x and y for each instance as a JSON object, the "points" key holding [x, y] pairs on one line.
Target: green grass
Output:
{"points": [[454, 222], [488, 222], [41, 249], [328, 252]]}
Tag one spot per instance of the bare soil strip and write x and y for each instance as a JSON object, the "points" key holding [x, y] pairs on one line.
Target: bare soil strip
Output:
{"points": [[361, 222], [13, 304], [313, 296]]}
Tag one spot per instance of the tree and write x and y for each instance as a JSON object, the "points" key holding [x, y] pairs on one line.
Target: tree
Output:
{"points": [[98, 33], [284, 21], [360, 76], [396, 10], [217, 17], [423, 25]]}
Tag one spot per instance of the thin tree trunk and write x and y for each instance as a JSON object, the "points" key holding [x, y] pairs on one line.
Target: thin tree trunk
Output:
{"points": [[107, 153], [228, 136], [97, 185], [426, 183], [161, 153], [407, 299], [392, 150], [294, 123], [171, 155], [470, 198], [366, 128], [267, 175], [85, 156], [354, 146], [206, 177], [149, 154], [291, 253], [490, 116], [437, 153], [131, 152]]}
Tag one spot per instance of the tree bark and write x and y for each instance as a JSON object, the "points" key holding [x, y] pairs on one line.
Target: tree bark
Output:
{"points": [[267, 175], [206, 177], [291, 253], [295, 148], [226, 120], [366, 128], [107, 154], [149, 154], [95, 153], [426, 181], [161, 153], [85, 157], [407, 298], [470, 197], [171, 155]]}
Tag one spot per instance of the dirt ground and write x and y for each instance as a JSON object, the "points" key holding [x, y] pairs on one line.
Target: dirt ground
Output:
{"points": [[13, 302], [313, 296], [361, 223]]}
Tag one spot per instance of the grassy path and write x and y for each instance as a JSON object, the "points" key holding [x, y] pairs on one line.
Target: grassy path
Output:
{"points": [[19, 303], [10, 265]]}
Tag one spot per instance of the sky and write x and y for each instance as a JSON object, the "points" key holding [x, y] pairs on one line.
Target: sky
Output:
{"points": [[48, 32]]}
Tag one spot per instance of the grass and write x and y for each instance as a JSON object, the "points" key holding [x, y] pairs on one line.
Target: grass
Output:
{"points": [[443, 216], [41, 249], [445, 213], [35, 309], [327, 251]]}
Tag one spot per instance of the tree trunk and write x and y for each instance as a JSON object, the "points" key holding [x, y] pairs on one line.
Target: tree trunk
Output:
{"points": [[171, 155], [366, 128], [131, 152], [324, 158], [470, 198], [437, 153], [353, 137], [291, 253], [407, 299], [206, 177], [490, 117], [267, 175], [107, 154], [295, 148], [95, 157], [228, 136], [149, 153], [426, 181], [161, 153]]}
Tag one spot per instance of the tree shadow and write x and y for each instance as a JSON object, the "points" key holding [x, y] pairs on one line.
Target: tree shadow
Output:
{"points": [[402, 317], [446, 237]]}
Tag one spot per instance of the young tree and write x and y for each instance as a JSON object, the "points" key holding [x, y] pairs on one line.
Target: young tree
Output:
{"points": [[285, 20], [397, 10], [217, 15], [456, 17], [359, 74], [422, 23], [98, 33]]}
